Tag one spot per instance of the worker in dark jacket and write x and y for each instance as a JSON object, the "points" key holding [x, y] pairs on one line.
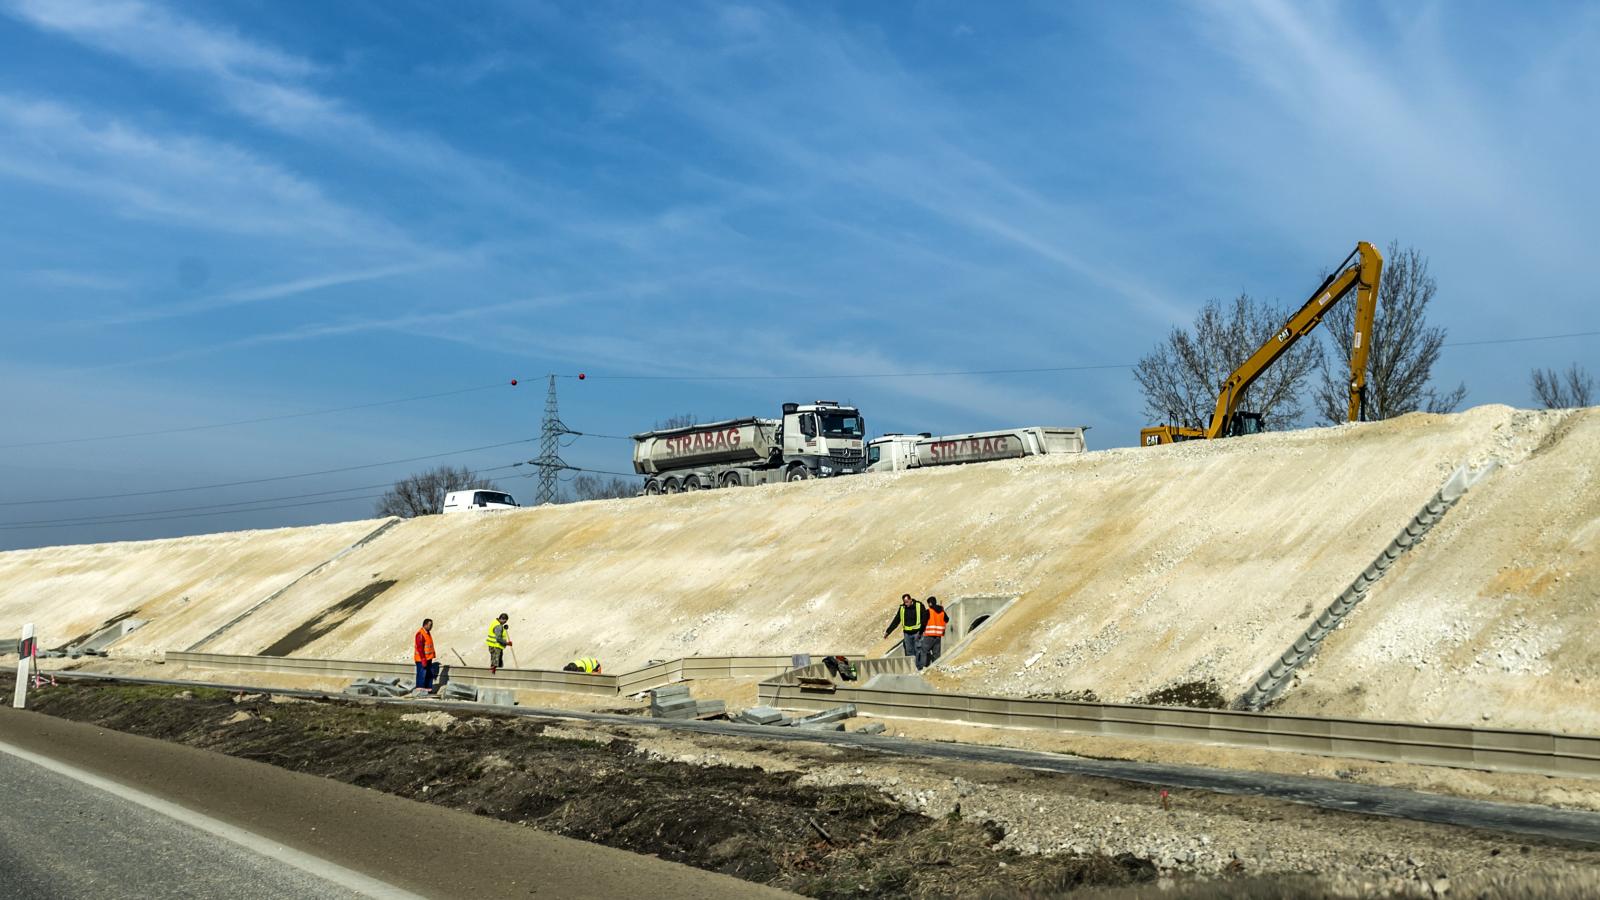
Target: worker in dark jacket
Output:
{"points": [[909, 618]]}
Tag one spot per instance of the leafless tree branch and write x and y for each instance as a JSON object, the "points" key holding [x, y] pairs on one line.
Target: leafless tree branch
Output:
{"points": [[422, 494]]}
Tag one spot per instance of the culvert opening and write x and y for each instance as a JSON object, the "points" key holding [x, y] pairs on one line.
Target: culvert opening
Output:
{"points": [[966, 614]]}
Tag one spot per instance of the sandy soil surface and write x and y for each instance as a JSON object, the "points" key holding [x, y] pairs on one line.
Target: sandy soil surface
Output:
{"points": [[1137, 571], [829, 821]]}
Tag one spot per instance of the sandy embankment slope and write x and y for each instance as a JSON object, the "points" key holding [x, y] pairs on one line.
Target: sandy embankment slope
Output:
{"points": [[186, 587], [1136, 569]]}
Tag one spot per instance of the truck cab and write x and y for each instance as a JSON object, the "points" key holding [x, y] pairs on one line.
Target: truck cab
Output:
{"points": [[477, 499], [893, 452], [822, 439]]}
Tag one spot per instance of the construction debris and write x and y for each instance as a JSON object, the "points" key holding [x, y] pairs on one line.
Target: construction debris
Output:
{"points": [[872, 728], [378, 687]]}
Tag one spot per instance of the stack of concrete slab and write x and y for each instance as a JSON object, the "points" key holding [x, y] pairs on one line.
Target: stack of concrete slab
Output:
{"points": [[673, 702], [762, 715], [827, 720]]}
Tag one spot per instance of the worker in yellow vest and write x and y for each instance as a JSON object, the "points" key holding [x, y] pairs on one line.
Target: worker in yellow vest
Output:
{"points": [[929, 645], [498, 641], [588, 665], [909, 618]]}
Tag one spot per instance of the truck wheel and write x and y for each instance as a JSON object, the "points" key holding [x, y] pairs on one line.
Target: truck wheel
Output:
{"points": [[730, 480], [672, 486], [652, 487], [798, 473], [692, 483]]}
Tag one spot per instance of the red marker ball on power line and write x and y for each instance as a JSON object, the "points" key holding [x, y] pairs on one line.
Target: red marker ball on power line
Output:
{"points": [[582, 376], [513, 382]]}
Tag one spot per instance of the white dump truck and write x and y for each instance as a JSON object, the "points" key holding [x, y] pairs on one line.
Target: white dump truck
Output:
{"points": [[815, 440], [894, 452]]}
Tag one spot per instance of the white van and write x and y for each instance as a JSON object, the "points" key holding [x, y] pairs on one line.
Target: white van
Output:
{"points": [[464, 501]]}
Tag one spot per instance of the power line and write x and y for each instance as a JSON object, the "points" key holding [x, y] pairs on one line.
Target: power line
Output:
{"points": [[255, 421], [793, 377], [205, 487], [1521, 340], [238, 505], [587, 376], [194, 515], [140, 518], [976, 372]]}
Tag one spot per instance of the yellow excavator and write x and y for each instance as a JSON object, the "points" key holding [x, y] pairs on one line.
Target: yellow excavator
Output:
{"points": [[1360, 273]]}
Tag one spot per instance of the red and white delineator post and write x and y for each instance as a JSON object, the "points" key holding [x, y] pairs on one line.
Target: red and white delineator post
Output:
{"points": [[25, 654]]}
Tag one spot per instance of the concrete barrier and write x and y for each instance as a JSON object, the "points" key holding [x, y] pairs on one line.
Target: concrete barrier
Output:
{"points": [[1494, 749], [1460, 746]]}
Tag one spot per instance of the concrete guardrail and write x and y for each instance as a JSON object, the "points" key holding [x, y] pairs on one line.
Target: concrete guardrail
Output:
{"points": [[1460, 746], [1540, 752]]}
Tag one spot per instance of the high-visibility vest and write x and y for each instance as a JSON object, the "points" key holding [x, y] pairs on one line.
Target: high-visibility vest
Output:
{"points": [[588, 664], [422, 648], [936, 621], [912, 625], [494, 641]]}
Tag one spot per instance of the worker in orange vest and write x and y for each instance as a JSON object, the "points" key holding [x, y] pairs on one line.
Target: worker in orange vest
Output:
{"points": [[929, 645], [422, 654]]}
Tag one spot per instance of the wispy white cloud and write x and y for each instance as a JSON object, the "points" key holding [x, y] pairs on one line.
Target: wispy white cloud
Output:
{"points": [[874, 129], [268, 86], [193, 181], [153, 35], [276, 291]]}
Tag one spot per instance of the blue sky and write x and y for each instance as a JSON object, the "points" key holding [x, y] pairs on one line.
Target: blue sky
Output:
{"points": [[238, 210]]}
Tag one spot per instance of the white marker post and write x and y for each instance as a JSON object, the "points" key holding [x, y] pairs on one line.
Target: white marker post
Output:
{"points": [[24, 666]]}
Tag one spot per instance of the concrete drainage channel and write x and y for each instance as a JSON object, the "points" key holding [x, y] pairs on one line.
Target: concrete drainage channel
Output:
{"points": [[1560, 824], [809, 688], [1277, 677]]}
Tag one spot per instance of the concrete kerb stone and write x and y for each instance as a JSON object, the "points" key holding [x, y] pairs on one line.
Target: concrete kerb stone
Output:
{"points": [[760, 715], [838, 713]]}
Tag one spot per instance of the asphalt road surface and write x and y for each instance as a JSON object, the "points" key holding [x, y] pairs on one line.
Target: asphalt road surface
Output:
{"points": [[93, 812], [64, 838]]}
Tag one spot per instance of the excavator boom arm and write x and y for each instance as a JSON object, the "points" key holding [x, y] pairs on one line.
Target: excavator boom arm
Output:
{"points": [[1360, 272]]}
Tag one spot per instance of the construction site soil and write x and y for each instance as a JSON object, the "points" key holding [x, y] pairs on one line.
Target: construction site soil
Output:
{"points": [[828, 821]]}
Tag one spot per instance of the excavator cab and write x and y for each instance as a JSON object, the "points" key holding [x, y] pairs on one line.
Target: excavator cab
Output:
{"points": [[1245, 423], [1241, 423]]}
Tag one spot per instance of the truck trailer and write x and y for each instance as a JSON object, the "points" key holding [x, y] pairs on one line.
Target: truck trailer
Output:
{"points": [[815, 440], [895, 452]]}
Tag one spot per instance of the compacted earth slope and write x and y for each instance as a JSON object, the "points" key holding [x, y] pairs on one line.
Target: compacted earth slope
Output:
{"points": [[1136, 571], [183, 587]]}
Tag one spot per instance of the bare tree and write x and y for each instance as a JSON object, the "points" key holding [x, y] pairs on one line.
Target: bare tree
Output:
{"points": [[1404, 347], [1563, 390], [422, 494], [677, 421], [593, 487], [1183, 375]]}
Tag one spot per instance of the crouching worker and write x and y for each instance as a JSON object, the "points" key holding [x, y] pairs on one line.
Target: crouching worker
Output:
{"points": [[588, 665], [422, 654], [840, 667]]}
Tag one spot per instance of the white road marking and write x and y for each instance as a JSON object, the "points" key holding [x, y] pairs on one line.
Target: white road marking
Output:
{"points": [[305, 862]]}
